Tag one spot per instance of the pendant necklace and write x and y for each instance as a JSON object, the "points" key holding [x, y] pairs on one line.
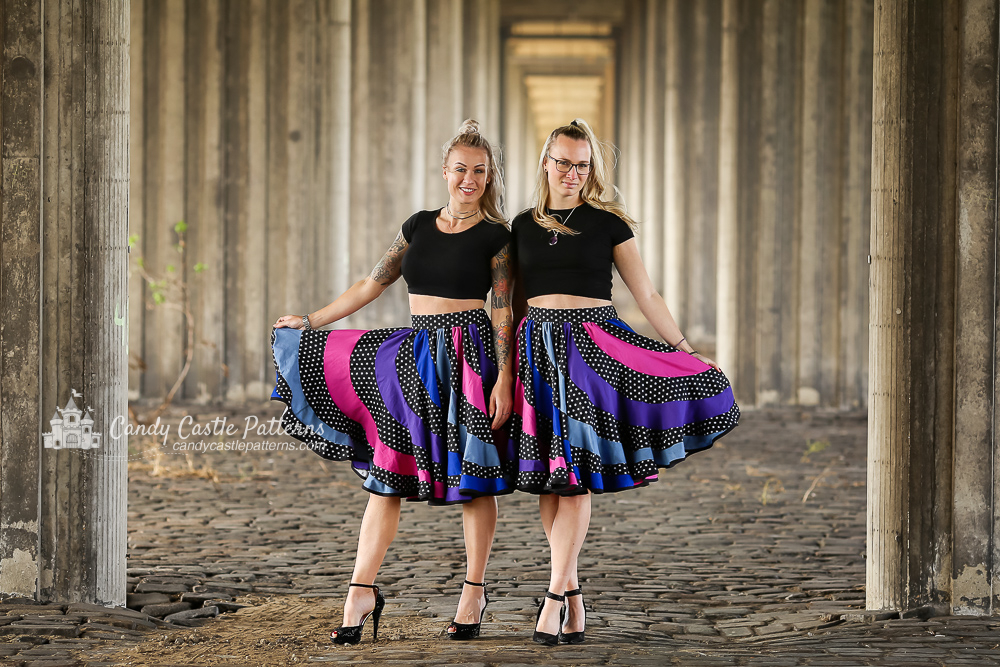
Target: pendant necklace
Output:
{"points": [[555, 232]]}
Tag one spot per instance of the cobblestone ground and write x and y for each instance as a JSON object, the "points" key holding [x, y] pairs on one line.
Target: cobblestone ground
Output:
{"points": [[749, 554]]}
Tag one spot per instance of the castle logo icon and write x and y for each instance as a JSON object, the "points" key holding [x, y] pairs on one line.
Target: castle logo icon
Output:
{"points": [[69, 430]]}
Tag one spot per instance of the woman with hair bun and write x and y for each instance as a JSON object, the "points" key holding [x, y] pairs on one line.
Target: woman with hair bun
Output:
{"points": [[417, 410], [597, 407]]}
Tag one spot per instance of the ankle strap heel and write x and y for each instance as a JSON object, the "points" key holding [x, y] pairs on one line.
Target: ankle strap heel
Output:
{"points": [[573, 637], [466, 631], [544, 637], [351, 634]]}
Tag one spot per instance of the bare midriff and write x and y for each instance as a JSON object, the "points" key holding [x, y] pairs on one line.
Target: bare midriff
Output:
{"points": [[421, 304], [561, 301]]}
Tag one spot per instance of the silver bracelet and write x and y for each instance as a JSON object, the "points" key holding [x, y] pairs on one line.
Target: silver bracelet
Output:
{"points": [[306, 324]]}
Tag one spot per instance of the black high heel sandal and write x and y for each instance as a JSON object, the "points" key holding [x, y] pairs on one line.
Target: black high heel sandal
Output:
{"points": [[573, 637], [545, 637], [464, 631], [351, 634]]}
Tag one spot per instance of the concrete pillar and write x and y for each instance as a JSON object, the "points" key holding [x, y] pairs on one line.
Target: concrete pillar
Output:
{"points": [[976, 482], [21, 397], [386, 39], [654, 44], [672, 256], [246, 169], [855, 209], [163, 337], [777, 244], [932, 335], [64, 152], [203, 55], [727, 252], [629, 108], [244, 132], [819, 200], [793, 177]]}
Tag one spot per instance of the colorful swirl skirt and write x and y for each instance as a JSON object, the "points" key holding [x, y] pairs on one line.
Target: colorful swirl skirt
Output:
{"points": [[407, 407], [600, 407]]}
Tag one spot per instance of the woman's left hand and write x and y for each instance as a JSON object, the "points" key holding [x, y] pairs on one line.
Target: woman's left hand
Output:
{"points": [[501, 403], [705, 360]]}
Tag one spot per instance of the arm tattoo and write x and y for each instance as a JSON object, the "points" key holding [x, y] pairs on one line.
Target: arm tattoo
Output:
{"points": [[500, 268], [502, 337], [500, 305], [388, 268]]}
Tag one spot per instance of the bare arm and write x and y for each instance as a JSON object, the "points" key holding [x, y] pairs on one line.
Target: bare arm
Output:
{"points": [[500, 311], [501, 400], [654, 309], [360, 294]]}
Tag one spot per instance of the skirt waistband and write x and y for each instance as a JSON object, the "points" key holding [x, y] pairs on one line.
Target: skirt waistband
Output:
{"points": [[572, 315], [448, 320]]}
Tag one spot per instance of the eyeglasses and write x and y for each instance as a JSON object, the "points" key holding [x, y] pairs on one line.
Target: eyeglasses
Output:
{"points": [[565, 166]]}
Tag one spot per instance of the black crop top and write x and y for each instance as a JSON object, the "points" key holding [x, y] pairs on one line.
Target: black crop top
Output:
{"points": [[453, 266], [578, 264]]}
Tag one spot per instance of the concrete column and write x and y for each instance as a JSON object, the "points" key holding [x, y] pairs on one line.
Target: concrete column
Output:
{"points": [[976, 552], [699, 30], [203, 57], [673, 259], [629, 107], [819, 203], [777, 256], [727, 252], [652, 122], [245, 202], [21, 399], [914, 455], [385, 38], [162, 346], [793, 142], [444, 86], [339, 55], [855, 203], [64, 150]]}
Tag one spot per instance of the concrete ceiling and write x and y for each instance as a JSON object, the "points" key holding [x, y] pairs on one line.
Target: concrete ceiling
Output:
{"points": [[512, 11], [557, 99], [567, 70]]}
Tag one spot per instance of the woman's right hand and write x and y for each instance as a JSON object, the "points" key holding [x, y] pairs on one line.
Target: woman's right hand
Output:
{"points": [[289, 321]]}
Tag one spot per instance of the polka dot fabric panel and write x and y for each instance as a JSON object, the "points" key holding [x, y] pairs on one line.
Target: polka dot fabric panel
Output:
{"points": [[407, 407], [599, 407]]}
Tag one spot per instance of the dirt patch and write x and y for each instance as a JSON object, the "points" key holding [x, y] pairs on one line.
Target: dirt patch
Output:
{"points": [[285, 630]]}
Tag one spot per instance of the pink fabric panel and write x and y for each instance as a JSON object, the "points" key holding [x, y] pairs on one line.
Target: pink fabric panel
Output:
{"points": [[523, 408], [337, 368], [662, 364], [472, 384]]}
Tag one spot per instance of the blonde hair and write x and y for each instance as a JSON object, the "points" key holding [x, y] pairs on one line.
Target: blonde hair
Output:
{"points": [[598, 190], [492, 201]]}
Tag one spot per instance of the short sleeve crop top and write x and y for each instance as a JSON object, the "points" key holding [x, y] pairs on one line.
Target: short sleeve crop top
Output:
{"points": [[453, 266], [578, 264]]}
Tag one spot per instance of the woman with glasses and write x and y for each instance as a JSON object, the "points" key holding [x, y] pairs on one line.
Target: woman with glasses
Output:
{"points": [[597, 407], [416, 410]]}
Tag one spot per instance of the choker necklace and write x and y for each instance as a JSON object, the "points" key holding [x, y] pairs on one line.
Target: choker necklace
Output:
{"points": [[555, 232], [447, 208]]}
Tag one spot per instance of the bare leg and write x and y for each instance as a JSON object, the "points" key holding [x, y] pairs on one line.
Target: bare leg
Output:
{"points": [[378, 529], [479, 518], [566, 534]]}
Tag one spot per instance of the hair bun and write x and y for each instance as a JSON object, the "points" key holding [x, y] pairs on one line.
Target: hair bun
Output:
{"points": [[470, 126]]}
